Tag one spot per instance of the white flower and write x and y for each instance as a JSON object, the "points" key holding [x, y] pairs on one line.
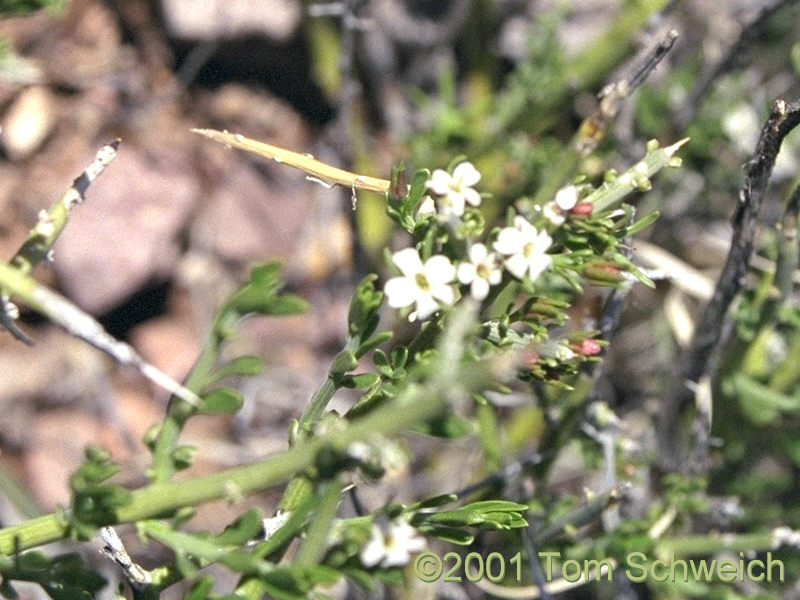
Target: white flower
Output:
{"points": [[524, 248], [481, 272], [565, 200], [273, 524], [428, 285], [392, 548], [426, 207], [456, 189]]}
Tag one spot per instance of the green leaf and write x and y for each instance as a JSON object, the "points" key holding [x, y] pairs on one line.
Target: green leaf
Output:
{"points": [[446, 426], [419, 186], [451, 535], [361, 578], [492, 514], [200, 589], [288, 582], [187, 567], [196, 545], [7, 590], [71, 572], [241, 561], [362, 318], [286, 304], [223, 400], [343, 362], [244, 529], [379, 358], [35, 561], [243, 366], [642, 223], [182, 456], [633, 269], [436, 501], [373, 342], [259, 295], [399, 356], [360, 381], [761, 404]]}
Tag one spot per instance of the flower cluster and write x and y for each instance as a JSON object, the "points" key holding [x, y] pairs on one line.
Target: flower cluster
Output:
{"points": [[429, 285]]}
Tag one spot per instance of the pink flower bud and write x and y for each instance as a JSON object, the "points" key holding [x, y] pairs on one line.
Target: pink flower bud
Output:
{"points": [[587, 347], [582, 209]]}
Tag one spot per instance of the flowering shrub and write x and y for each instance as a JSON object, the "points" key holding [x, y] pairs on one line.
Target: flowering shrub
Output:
{"points": [[492, 306], [473, 331]]}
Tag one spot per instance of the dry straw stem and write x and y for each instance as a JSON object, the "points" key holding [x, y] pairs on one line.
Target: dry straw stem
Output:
{"points": [[595, 126], [82, 325], [315, 170]]}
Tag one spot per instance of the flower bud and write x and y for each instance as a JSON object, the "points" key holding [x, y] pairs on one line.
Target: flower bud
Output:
{"points": [[582, 209], [602, 273], [587, 347]]}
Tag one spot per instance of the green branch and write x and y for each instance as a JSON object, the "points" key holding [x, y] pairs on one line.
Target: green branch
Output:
{"points": [[417, 403]]}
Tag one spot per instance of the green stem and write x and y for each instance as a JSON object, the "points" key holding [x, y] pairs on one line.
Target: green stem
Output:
{"points": [[317, 404], [416, 404], [634, 178], [711, 543], [52, 222], [178, 412], [316, 542]]}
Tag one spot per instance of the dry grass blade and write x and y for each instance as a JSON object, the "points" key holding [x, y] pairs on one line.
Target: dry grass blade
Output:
{"points": [[315, 169]]}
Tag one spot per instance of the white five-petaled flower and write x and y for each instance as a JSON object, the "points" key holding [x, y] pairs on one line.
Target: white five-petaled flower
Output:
{"points": [[480, 273], [429, 284], [392, 548], [524, 248], [456, 189], [566, 198]]}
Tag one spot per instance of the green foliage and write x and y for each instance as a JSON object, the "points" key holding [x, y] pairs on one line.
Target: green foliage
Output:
{"points": [[509, 369], [62, 577], [19, 7], [94, 499]]}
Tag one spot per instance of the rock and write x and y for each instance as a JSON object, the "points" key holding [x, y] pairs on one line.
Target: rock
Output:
{"points": [[226, 19], [28, 122], [169, 343], [250, 217], [126, 233]]}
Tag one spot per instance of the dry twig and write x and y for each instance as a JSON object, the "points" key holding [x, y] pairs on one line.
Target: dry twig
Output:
{"points": [[693, 363]]}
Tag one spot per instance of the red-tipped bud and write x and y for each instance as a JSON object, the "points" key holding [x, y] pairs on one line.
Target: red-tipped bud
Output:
{"points": [[530, 357], [602, 273], [587, 347], [582, 209]]}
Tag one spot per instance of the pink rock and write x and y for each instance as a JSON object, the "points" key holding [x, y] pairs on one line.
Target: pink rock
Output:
{"points": [[126, 232]]}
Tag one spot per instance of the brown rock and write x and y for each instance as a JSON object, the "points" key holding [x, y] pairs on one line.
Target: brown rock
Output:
{"points": [[250, 217], [28, 122], [126, 232], [169, 344]]}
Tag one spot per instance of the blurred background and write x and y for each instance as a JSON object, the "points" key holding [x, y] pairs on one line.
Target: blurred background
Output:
{"points": [[173, 224]]}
